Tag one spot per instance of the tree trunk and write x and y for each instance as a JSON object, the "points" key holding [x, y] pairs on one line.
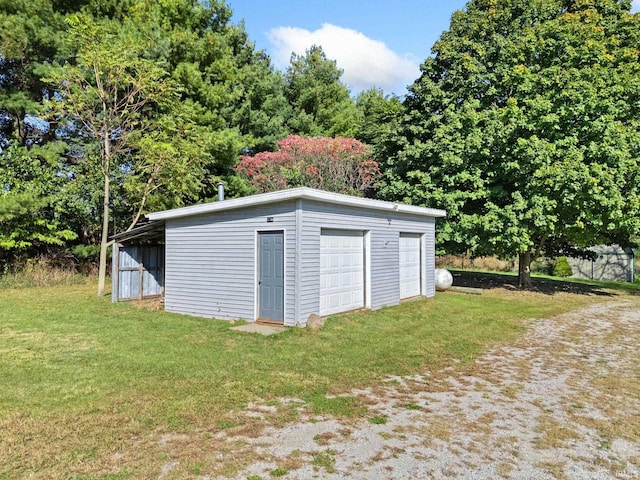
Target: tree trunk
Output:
{"points": [[524, 270], [19, 128], [104, 240]]}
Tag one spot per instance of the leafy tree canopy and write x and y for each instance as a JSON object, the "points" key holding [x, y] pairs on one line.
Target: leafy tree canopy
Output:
{"points": [[378, 117], [111, 108], [524, 126], [321, 103], [35, 203], [342, 165], [60, 60]]}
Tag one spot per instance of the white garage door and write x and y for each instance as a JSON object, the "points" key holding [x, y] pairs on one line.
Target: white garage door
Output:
{"points": [[409, 265], [341, 271]]}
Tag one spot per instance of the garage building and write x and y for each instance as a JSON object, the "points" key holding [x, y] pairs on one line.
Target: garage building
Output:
{"points": [[279, 257]]}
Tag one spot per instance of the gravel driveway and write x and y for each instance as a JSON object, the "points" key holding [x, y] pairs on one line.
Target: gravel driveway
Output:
{"points": [[562, 402]]}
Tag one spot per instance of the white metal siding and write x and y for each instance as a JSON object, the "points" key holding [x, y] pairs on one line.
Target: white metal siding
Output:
{"points": [[410, 266], [210, 261], [341, 271]]}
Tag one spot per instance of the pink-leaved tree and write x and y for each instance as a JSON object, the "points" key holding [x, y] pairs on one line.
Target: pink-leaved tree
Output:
{"points": [[342, 165]]}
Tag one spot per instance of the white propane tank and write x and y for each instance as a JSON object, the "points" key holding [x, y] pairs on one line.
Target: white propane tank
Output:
{"points": [[444, 279]]}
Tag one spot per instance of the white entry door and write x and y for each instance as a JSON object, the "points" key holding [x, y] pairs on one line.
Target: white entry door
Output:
{"points": [[410, 279], [341, 271]]}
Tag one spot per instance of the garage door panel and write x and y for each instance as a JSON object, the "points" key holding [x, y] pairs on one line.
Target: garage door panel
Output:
{"points": [[341, 271], [409, 257]]}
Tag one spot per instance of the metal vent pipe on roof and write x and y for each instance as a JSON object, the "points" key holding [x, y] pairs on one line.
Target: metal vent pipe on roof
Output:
{"points": [[220, 191]]}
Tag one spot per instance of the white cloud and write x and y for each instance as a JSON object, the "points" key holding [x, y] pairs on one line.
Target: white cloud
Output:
{"points": [[635, 6], [366, 62]]}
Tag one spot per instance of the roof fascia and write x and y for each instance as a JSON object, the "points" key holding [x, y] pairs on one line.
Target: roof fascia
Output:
{"points": [[293, 194]]}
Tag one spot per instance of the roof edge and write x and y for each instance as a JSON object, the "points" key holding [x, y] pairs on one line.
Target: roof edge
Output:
{"points": [[293, 194], [139, 231]]}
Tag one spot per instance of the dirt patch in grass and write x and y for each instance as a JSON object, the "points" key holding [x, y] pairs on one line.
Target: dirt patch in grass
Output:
{"points": [[154, 304]]}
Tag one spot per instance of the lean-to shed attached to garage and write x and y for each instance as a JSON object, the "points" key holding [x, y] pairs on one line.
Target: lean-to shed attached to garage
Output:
{"points": [[137, 263], [282, 256]]}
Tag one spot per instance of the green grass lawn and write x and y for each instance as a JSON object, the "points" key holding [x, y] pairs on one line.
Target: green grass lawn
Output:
{"points": [[82, 379]]}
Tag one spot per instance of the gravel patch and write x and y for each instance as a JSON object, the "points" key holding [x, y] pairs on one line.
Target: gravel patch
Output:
{"points": [[561, 402]]}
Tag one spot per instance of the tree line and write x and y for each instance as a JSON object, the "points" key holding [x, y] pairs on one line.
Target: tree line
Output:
{"points": [[523, 125]]}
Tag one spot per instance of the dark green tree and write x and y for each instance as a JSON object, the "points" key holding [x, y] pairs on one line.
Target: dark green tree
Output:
{"points": [[259, 109], [36, 204], [378, 117], [524, 126], [229, 92], [108, 97], [225, 99], [321, 103], [31, 34]]}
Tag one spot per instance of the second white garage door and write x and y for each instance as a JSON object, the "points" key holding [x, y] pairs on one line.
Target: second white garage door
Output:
{"points": [[341, 271], [409, 265]]}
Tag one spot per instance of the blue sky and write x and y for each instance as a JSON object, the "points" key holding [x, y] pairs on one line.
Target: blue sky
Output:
{"points": [[378, 43]]}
